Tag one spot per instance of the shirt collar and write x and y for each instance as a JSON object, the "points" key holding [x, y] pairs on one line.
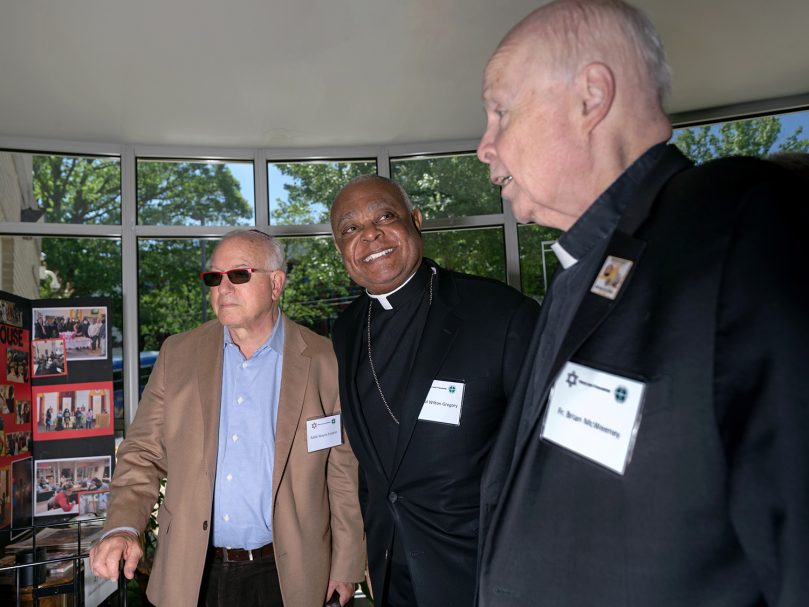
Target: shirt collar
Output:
{"points": [[600, 219], [275, 341], [414, 288]]}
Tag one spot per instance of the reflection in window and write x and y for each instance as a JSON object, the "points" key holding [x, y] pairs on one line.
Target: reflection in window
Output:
{"points": [[60, 189], [537, 261], [317, 288], [302, 192], [475, 251], [447, 186], [172, 192]]}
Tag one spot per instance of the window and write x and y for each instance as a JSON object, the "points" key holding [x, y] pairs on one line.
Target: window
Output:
{"points": [[448, 186], [177, 192], [301, 193]]}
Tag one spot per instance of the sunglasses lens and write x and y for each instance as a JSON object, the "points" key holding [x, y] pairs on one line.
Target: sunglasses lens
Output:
{"points": [[211, 279], [238, 277]]}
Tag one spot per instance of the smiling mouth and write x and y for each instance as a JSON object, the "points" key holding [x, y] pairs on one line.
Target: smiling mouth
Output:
{"points": [[502, 181], [377, 255]]}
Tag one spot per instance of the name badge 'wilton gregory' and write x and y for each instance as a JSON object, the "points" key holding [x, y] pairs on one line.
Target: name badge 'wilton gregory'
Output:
{"points": [[323, 433], [443, 403], [594, 414]]}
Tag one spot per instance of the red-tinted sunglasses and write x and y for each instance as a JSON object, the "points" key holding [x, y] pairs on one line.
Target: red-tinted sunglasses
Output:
{"points": [[239, 276]]}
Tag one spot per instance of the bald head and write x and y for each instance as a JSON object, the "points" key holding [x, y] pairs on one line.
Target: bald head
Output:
{"points": [[569, 34], [573, 96]]}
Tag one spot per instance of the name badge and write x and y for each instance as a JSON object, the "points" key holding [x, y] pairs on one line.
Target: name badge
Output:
{"points": [[323, 433], [443, 403], [594, 414]]}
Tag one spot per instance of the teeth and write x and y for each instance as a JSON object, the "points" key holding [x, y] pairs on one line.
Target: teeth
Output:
{"points": [[502, 181], [377, 255]]}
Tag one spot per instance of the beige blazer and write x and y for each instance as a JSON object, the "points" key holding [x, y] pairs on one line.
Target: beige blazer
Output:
{"points": [[317, 526]]}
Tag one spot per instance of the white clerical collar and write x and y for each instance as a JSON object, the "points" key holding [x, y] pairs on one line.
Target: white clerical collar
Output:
{"points": [[383, 298], [566, 259]]}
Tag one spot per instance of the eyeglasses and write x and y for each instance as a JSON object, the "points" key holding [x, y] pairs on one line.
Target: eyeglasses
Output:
{"points": [[239, 276]]}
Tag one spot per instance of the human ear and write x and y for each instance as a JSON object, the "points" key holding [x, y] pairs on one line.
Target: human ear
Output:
{"points": [[416, 215], [597, 85]]}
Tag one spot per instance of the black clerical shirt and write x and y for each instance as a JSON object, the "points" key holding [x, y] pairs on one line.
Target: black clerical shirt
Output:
{"points": [[580, 251], [395, 338]]}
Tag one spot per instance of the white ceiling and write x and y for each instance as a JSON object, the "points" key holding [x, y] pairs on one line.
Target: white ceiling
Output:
{"points": [[313, 73]]}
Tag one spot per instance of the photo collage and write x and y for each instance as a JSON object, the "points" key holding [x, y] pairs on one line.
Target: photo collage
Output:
{"points": [[56, 410]]}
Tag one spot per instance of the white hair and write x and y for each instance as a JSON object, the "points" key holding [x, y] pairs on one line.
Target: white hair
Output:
{"points": [[273, 249]]}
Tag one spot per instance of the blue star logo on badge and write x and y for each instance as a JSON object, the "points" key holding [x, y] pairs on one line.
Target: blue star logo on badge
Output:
{"points": [[451, 389], [572, 379], [621, 393], [314, 425], [334, 421]]}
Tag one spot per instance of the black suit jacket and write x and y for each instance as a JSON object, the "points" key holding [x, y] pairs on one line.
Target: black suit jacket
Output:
{"points": [[477, 331], [713, 508]]}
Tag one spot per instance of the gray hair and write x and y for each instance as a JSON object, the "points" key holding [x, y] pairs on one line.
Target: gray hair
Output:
{"points": [[580, 28], [275, 252], [379, 179]]}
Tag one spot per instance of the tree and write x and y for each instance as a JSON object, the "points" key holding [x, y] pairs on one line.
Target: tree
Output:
{"points": [[755, 137], [88, 190]]}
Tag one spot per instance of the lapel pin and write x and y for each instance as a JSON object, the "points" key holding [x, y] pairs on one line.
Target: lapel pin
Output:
{"points": [[611, 277]]}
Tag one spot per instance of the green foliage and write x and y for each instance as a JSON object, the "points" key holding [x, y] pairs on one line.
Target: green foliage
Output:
{"points": [[448, 186], [317, 284], [754, 137], [313, 187], [78, 190], [190, 193]]}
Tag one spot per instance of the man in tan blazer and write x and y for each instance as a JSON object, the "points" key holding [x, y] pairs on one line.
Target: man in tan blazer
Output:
{"points": [[207, 425]]}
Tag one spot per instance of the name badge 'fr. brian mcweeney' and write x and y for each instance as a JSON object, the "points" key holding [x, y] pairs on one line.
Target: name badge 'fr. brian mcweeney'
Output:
{"points": [[595, 414], [323, 432], [443, 403]]}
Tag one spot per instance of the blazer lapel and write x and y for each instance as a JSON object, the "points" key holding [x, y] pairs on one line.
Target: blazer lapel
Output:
{"points": [[209, 385], [294, 379], [439, 333], [594, 308]]}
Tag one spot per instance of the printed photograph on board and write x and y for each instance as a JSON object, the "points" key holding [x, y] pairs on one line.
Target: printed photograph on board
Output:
{"points": [[72, 410], [22, 496], [10, 313], [16, 365], [48, 357], [93, 502], [59, 483], [83, 329]]}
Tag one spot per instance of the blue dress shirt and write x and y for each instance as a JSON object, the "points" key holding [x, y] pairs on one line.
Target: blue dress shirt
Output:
{"points": [[242, 512]]}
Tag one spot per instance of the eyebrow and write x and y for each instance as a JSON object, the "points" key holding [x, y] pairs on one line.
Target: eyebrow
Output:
{"points": [[376, 204]]}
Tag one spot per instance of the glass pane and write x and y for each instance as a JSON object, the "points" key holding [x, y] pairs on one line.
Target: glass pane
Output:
{"points": [[475, 251], [537, 261], [448, 186], [318, 288], [60, 189], [177, 192], [302, 192], [172, 298], [761, 137]]}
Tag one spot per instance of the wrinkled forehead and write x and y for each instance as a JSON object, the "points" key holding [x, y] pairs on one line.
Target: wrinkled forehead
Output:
{"points": [[516, 61], [362, 197], [236, 251]]}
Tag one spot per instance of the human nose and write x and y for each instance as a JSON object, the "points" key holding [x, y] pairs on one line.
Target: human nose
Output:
{"points": [[371, 232], [485, 149], [225, 286]]}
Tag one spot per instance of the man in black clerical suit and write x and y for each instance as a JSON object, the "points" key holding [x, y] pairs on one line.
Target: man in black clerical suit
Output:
{"points": [[657, 452], [427, 361]]}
